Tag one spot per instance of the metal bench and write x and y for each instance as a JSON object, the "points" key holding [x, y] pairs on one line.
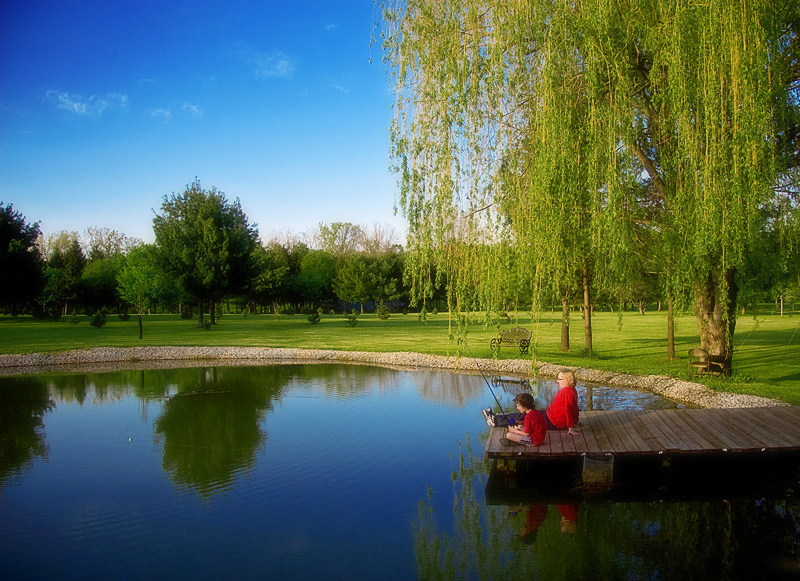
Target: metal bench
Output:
{"points": [[517, 337]]}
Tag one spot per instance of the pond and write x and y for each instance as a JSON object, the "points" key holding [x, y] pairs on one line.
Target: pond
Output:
{"points": [[336, 472]]}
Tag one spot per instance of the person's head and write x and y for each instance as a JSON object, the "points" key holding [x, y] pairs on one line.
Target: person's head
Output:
{"points": [[569, 527], [565, 378], [525, 400]]}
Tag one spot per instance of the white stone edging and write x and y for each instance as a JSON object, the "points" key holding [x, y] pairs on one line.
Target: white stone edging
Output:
{"points": [[671, 388]]}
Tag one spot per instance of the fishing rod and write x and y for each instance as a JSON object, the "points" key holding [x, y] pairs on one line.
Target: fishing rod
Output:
{"points": [[510, 421]]}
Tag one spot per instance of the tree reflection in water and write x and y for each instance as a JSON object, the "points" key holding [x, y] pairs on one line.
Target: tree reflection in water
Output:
{"points": [[23, 403], [210, 427], [563, 536]]}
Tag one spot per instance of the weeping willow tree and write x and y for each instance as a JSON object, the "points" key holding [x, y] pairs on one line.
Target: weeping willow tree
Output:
{"points": [[546, 136]]}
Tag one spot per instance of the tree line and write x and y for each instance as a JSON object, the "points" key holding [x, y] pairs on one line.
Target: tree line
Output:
{"points": [[205, 251]]}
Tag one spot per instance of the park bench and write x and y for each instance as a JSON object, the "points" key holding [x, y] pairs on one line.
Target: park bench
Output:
{"points": [[700, 363], [518, 337]]}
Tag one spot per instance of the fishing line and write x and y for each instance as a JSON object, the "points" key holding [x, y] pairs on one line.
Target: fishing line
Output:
{"points": [[510, 421]]}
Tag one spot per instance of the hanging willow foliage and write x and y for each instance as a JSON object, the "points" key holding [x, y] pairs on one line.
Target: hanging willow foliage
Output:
{"points": [[539, 142]]}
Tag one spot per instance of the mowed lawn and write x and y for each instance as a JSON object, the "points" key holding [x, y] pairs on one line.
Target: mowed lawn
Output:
{"points": [[766, 360]]}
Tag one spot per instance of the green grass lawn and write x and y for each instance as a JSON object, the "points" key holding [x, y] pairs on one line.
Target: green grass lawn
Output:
{"points": [[766, 361]]}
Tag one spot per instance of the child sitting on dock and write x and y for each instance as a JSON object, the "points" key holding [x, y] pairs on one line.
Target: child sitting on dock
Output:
{"points": [[533, 428]]}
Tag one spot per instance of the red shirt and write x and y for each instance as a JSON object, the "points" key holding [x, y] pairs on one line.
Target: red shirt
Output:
{"points": [[568, 511], [535, 427], [535, 515], [563, 412]]}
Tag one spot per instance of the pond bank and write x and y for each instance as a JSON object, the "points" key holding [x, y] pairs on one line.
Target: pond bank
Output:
{"points": [[109, 359]]}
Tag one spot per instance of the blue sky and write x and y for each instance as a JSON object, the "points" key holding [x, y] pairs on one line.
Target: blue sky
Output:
{"points": [[107, 106]]}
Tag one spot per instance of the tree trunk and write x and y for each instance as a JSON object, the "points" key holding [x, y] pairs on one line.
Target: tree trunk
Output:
{"points": [[564, 324], [716, 318], [199, 313], [587, 314], [141, 334], [212, 314], [671, 328]]}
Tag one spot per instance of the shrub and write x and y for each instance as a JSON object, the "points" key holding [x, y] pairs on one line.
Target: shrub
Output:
{"points": [[382, 312], [352, 318], [314, 318], [186, 312], [423, 316], [98, 319], [74, 319], [124, 315]]}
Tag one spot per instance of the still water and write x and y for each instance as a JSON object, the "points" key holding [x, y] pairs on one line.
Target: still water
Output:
{"points": [[335, 472]]}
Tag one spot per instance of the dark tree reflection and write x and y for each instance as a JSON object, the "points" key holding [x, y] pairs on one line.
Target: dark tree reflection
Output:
{"points": [[23, 403], [211, 428]]}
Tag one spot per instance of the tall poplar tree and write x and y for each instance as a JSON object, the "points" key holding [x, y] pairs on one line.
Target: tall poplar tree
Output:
{"points": [[563, 129]]}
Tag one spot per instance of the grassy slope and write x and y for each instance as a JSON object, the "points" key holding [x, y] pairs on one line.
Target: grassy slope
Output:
{"points": [[766, 362]]}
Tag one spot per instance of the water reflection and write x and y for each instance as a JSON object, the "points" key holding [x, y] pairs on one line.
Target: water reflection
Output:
{"points": [[210, 428], [525, 529], [23, 403], [329, 466]]}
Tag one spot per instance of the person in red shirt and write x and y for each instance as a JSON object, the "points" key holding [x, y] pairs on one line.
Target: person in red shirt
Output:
{"points": [[533, 429], [569, 517], [562, 413]]}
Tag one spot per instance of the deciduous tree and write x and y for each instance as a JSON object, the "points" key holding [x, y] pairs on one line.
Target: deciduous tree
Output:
{"points": [[20, 262], [206, 243], [571, 123], [142, 282]]}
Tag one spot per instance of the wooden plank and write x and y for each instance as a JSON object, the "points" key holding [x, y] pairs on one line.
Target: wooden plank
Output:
{"points": [[723, 438], [789, 417], [675, 433], [662, 438], [748, 435], [590, 445], [571, 443], [617, 445], [556, 447], [642, 442], [659, 441], [597, 432], [648, 442], [490, 445], [545, 449], [768, 431], [686, 430], [777, 423], [615, 421], [743, 433]]}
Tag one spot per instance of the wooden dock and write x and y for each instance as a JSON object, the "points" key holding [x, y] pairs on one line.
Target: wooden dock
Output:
{"points": [[668, 432]]}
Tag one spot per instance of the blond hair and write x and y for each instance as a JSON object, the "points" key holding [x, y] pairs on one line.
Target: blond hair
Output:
{"points": [[569, 377]]}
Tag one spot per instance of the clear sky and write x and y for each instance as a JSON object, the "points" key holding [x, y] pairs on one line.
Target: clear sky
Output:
{"points": [[106, 106]]}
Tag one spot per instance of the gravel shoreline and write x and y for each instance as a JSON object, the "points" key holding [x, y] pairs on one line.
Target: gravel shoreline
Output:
{"points": [[109, 359]]}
